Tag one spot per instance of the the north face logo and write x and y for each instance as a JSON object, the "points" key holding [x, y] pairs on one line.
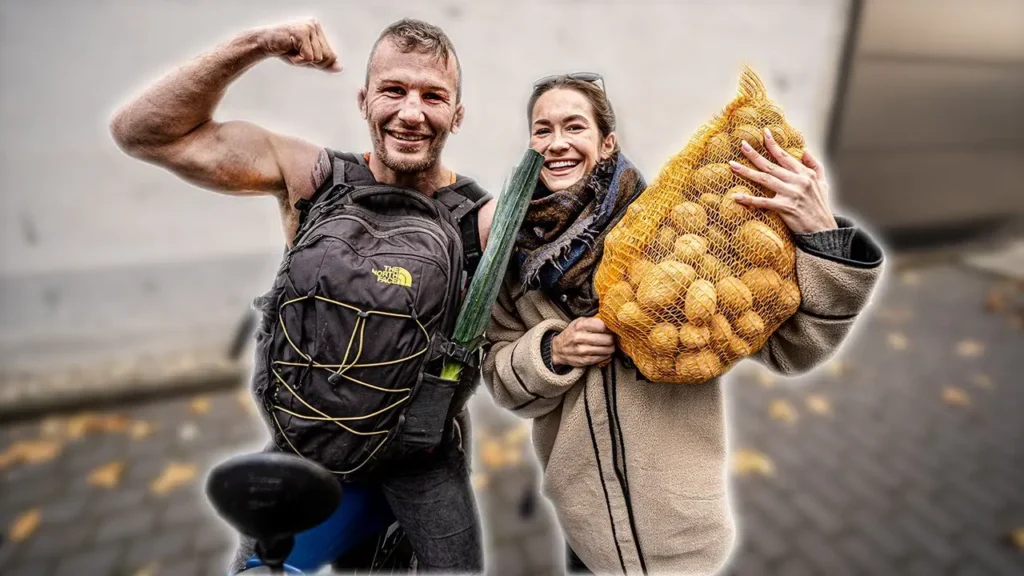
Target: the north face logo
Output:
{"points": [[394, 275]]}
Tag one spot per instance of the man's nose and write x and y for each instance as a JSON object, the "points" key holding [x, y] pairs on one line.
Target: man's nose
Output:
{"points": [[411, 111]]}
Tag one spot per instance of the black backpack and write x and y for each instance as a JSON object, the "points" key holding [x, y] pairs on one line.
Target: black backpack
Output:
{"points": [[355, 329]]}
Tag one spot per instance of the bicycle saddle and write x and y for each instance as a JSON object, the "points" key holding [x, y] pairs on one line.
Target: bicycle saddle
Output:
{"points": [[271, 495]]}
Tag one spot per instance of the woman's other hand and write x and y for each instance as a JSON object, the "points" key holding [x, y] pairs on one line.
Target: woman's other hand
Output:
{"points": [[801, 191], [584, 342]]}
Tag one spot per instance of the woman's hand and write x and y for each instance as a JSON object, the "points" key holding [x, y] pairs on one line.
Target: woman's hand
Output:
{"points": [[801, 191], [584, 342]]}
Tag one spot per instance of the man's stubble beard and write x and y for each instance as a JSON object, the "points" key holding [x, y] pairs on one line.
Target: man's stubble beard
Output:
{"points": [[403, 166]]}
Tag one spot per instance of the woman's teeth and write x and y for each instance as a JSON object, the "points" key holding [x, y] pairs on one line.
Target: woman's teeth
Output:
{"points": [[562, 164]]}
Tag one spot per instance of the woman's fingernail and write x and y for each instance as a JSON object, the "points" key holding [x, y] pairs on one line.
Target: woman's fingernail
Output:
{"points": [[734, 164], [738, 196], [746, 146], [768, 133]]}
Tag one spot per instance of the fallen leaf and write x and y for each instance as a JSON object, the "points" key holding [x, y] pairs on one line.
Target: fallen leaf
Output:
{"points": [[955, 397], [246, 402], [911, 278], [29, 452], [188, 431], [895, 315], [783, 410], [200, 405], [1017, 538], [492, 454], [839, 368], [518, 434], [970, 348], [140, 429], [52, 427], [766, 379], [481, 481], [897, 341], [748, 462], [997, 300], [82, 424], [173, 476], [24, 525], [982, 381], [150, 569], [819, 404], [107, 476]]}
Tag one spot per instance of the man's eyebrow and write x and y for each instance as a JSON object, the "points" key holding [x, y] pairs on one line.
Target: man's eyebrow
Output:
{"points": [[430, 88]]}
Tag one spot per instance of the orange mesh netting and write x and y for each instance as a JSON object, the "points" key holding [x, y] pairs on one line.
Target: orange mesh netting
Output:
{"points": [[690, 280]]}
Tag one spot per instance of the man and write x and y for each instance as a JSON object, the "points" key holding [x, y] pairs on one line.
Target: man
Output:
{"points": [[411, 103]]}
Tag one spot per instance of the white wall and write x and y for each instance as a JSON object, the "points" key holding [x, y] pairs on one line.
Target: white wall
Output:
{"points": [[71, 201]]}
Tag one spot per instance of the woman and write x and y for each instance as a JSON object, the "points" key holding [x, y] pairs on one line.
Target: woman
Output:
{"points": [[636, 470]]}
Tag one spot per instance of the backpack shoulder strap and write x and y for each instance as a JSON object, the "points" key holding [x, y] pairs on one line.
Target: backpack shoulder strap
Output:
{"points": [[464, 199]]}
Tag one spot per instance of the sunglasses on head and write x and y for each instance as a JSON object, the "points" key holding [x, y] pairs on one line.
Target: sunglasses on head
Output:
{"points": [[592, 77]]}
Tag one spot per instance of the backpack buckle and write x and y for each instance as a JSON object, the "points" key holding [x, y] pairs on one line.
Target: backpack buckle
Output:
{"points": [[462, 355]]}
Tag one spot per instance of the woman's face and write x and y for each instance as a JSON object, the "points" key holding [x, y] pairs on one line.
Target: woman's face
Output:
{"points": [[565, 131]]}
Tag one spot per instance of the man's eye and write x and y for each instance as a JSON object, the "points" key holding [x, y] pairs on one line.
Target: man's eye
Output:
{"points": [[394, 90], [432, 96]]}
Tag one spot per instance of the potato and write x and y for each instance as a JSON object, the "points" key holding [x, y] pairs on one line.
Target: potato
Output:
{"points": [[750, 325], [734, 298], [720, 148], [718, 239], [664, 339], [701, 302], [769, 113], [689, 217], [797, 153], [665, 284], [665, 240], [711, 202], [638, 270], [764, 284], [692, 337], [745, 115], [796, 139], [689, 248], [761, 245], [665, 368], [631, 316], [751, 134], [780, 134], [789, 298], [617, 295], [721, 334], [739, 347], [698, 367], [713, 178], [732, 212], [713, 269]]}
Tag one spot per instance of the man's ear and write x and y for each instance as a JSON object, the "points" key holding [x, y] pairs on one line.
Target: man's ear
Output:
{"points": [[460, 113], [361, 97], [608, 145]]}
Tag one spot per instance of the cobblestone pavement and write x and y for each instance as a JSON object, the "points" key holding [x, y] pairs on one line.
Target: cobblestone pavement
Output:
{"points": [[901, 457]]}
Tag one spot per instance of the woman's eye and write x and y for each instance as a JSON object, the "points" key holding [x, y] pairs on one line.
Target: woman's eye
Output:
{"points": [[575, 128], [542, 132]]}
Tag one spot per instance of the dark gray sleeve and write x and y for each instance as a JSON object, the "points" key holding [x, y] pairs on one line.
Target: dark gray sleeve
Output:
{"points": [[846, 244]]}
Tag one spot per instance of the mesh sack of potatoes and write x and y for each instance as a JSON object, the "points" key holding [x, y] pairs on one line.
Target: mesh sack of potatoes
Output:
{"points": [[690, 280]]}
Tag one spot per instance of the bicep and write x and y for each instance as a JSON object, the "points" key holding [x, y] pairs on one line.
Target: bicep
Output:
{"points": [[242, 158]]}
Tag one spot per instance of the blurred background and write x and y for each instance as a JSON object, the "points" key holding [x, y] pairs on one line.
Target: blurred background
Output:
{"points": [[122, 288]]}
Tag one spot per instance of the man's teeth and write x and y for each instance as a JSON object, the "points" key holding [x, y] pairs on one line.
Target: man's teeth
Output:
{"points": [[562, 164], [409, 137]]}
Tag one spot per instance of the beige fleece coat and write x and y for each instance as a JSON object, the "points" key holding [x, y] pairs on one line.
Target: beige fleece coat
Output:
{"points": [[637, 470]]}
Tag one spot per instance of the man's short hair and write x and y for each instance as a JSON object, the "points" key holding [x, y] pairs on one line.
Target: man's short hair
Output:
{"points": [[410, 34]]}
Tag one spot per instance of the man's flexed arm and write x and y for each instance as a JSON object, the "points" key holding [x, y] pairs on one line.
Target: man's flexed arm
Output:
{"points": [[171, 123]]}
